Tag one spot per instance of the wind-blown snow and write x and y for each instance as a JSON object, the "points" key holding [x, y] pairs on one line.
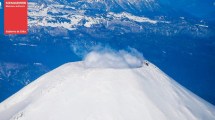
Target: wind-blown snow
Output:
{"points": [[76, 92], [113, 59]]}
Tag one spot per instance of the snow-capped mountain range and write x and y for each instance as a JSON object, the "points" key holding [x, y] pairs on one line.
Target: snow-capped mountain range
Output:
{"points": [[111, 5], [98, 14]]}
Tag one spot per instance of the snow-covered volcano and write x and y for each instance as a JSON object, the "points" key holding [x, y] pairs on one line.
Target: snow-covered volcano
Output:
{"points": [[77, 91]]}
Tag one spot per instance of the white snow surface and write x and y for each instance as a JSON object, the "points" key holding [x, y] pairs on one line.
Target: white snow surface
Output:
{"points": [[76, 92]]}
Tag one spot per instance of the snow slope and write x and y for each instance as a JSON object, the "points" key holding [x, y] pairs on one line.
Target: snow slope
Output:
{"points": [[76, 92]]}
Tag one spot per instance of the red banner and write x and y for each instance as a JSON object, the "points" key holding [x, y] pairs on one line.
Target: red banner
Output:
{"points": [[15, 17]]}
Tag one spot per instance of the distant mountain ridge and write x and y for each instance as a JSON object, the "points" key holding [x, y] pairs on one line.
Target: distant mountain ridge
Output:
{"points": [[198, 8], [110, 5]]}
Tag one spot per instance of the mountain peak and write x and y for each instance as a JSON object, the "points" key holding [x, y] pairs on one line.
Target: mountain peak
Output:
{"points": [[75, 91]]}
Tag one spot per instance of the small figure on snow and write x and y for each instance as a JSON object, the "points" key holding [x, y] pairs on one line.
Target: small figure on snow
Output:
{"points": [[146, 63]]}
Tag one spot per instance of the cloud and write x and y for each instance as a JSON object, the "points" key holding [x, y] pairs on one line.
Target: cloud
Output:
{"points": [[109, 58]]}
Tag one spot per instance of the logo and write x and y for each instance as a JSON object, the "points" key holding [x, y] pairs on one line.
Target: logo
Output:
{"points": [[15, 16]]}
